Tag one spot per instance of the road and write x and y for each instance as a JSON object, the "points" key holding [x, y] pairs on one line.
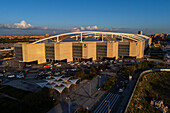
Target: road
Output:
{"points": [[126, 94], [107, 104]]}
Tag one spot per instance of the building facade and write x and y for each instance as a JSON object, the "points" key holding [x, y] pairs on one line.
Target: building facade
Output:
{"points": [[42, 51]]}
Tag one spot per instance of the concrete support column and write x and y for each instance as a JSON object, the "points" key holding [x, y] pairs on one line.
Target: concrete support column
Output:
{"points": [[102, 37], [57, 38], [122, 38], [81, 37]]}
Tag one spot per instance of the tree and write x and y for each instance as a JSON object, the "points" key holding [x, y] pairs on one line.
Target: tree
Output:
{"points": [[162, 64], [1, 57], [152, 64], [7, 55]]}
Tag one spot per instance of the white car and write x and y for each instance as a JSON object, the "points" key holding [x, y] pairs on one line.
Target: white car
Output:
{"points": [[28, 65], [11, 76], [120, 90], [20, 76], [73, 69]]}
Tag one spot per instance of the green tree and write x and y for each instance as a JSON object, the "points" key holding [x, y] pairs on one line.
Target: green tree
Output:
{"points": [[1, 57]]}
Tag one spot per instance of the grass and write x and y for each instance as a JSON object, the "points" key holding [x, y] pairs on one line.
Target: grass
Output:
{"points": [[152, 85]]}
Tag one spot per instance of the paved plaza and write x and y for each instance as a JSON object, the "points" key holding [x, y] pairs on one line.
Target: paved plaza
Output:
{"points": [[86, 94]]}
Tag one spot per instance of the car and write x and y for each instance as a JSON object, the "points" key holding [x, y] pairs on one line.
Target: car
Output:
{"points": [[11, 76], [126, 81], [132, 61], [121, 90], [20, 76], [27, 65], [73, 69], [1, 75], [120, 61]]}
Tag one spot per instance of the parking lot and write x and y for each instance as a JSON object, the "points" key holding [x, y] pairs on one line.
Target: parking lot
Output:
{"points": [[85, 93]]}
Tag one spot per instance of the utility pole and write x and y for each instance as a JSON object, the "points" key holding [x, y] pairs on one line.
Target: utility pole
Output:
{"points": [[81, 37], [89, 89], [57, 38], [112, 35], [68, 103], [99, 81], [122, 38]]}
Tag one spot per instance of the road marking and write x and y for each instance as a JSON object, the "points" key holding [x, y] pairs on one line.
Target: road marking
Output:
{"points": [[103, 107]]}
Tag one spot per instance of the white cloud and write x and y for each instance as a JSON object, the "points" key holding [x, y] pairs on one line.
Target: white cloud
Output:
{"points": [[76, 29], [44, 28], [85, 28], [23, 25], [92, 27], [82, 28]]}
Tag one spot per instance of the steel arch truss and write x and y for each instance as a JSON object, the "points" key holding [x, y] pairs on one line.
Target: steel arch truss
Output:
{"points": [[133, 37]]}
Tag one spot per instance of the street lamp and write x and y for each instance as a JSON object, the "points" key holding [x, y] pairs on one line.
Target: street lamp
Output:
{"points": [[69, 103], [99, 81], [108, 105], [89, 89]]}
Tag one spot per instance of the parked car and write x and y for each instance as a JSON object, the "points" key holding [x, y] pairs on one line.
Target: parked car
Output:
{"points": [[28, 65], [11, 76], [126, 81], [20, 76], [121, 90], [1, 75]]}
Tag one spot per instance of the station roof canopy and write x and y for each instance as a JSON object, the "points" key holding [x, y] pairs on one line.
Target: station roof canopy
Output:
{"points": [[80, 34]]}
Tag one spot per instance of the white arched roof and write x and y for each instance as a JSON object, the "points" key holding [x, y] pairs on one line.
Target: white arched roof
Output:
{"points": [[133, 37]]}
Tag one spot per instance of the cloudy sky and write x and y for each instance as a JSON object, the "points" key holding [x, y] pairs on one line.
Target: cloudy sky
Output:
{"points": [[56, 16]]}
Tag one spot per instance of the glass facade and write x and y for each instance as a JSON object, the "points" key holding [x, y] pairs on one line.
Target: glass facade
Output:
{"points": [[77, 50], [49, 52], [18, 53], [123, 49], [101, 50]]}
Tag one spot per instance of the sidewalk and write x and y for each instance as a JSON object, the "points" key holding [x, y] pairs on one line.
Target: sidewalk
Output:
{"points": [[81, 97]]}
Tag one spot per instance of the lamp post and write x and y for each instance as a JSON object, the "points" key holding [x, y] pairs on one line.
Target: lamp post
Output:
{"points": [[68, 103], [108, 105], [99, 81], [89, 89]]}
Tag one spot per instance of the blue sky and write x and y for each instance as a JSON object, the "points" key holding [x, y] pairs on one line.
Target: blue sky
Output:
{"points": [[152, 16]]}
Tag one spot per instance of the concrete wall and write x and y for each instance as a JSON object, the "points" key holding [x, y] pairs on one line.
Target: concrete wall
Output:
{"points": [[63, 51], [137, 49], [112, 50], [89, 50], [150, 42], [34, 52], [115, 50], [133, 50]]}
